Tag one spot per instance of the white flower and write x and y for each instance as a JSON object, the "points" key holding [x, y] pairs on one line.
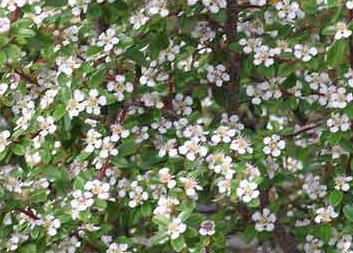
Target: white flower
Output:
{"points": [[223, 134], [138, 20], [94, 102], [82, 200], [107, 39], [155, 7], [342, 31], [195, 132], [192, 2], [137, 196], [338, 122], [168, 148], [68, 65], [3, 88], [264, 55], [247, 191], [191, 186], [203, 31], [182, 105], [118, 131], [215, 5], [217, 74], [79, 6], [98, 188], [4, 135], [251, 171], [12, 5], [288, 10], [32, 158], [191, 149], [313, 245], [47, 99], [166, 178], [108, 148], [46, 125], [250, 44], [166, 206], [93, 141], [313, 188], [51, 224], [119, 87], [265, 221], [342, 183], [175, 228], [225, 186], [349, 5], [76, 104], [118, 248], [273, 145], [207, 228], [325, 214], [316, 80], [345, 244], [340, 98], [292, 164], [4, 25], [153, 100], [304, 52], [265, 90], [218, 161], [170, 53], [241, 145]]}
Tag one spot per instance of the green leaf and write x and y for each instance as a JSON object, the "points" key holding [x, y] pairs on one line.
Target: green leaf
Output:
{"points": [[97, 78], [178, 244], [79, 183], [55, 3], [39, 196], [335, 198], [161, 220], [13, 52], [3, 58], [59, 112], [29, 248], [249, 233], [18, 149], [310, 6], [134, 54], [337, 53], [348, 212], [184, 215], [25, 32], [159, 238], [325, 233], [128, 147], [146, 210]]}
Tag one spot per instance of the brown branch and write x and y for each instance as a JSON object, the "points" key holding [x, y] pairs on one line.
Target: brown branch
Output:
{"points": [[234, 65], [304, 130], [122, 116], [28, 212], [169, 104], [15, 15], [348, 170]]}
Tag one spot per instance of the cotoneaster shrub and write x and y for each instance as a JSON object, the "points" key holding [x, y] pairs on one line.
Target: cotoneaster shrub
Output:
{"points": [[176, 126]]}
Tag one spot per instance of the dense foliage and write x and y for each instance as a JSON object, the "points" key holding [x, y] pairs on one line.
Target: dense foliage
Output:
{"points": [[176, 126]]}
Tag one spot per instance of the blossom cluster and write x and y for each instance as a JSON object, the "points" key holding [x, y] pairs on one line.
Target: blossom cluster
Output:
{"points": [[176, 126]]}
